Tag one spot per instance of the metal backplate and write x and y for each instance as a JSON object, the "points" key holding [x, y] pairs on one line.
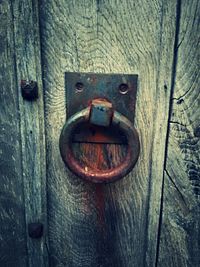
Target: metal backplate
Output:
{"points": [[119, 89]]}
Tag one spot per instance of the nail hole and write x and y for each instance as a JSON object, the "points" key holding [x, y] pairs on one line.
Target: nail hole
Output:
{"points": [[123, 88], [31, 132], [79, 87]]}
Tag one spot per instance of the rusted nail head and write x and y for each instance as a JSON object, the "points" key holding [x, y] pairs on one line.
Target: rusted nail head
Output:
{"points": [[29, 90], [123, 88], [35, 230]]}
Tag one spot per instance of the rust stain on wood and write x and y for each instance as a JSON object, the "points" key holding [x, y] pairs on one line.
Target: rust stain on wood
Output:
{"points": [[100, 206]]}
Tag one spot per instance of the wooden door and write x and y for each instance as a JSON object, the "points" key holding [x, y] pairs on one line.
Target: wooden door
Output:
{"points": [[150, 217]]}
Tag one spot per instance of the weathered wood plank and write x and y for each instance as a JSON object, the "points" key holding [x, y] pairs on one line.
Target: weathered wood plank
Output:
{"points": [[180, 231], [28, 66], [116, 37], [13, 250]]}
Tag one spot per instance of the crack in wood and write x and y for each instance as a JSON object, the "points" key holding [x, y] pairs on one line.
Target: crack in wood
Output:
{"points": [[178, 123], [173, 182], [173, 78]]}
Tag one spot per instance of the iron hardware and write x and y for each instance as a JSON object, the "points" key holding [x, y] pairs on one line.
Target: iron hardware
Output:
{"points": [[111, 109], [35, 230], [29, 90]]}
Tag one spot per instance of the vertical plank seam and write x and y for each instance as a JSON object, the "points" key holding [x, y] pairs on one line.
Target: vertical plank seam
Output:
{"points": [[19, 122], [151, 153], [46, 244], [46, 255], [34, 6], [173, 78]]}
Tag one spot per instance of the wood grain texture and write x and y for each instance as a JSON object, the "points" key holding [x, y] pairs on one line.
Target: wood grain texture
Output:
{"points": [[28, 67], [180, 231], [13, 250], [112, 37]]}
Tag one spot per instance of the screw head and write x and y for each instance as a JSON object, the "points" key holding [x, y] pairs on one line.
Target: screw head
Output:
{"points": [[123, 88], [29, 90], [35, 230], [79, 87]]}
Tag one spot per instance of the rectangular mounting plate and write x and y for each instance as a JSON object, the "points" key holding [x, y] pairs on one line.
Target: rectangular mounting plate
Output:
{"points": [[119, 89]]}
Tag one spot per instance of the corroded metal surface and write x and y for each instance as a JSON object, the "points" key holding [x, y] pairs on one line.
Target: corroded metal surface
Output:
{"points": [[29, 90], [118, 89], [35, 230], [101, 112], [117, 120]]}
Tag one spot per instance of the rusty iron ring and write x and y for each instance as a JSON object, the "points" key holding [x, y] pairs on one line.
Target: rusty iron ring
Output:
{"points": [[87, 173]]}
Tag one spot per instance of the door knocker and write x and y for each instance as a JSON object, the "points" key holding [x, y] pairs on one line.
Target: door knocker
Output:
{"points": [[99, 102]]}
